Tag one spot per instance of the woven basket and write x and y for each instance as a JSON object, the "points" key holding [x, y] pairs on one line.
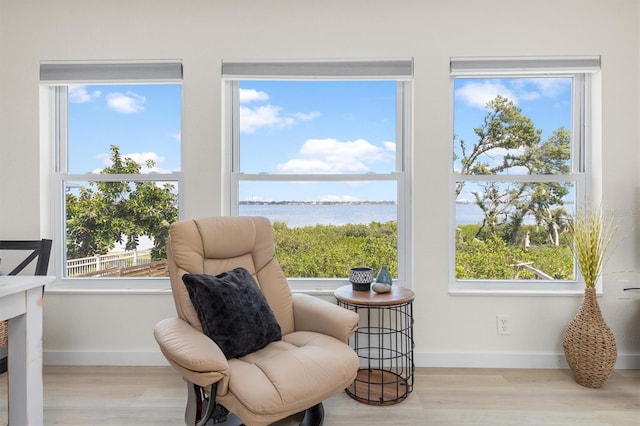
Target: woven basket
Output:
{"points": [[4, 334], [589, 345]]}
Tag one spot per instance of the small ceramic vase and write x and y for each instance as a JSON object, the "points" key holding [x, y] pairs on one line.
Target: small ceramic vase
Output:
{"points": [[384, 277]]}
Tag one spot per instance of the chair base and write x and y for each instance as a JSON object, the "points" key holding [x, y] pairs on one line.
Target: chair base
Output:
{"points": [[201, 411], [231, 420], [313, 416]]}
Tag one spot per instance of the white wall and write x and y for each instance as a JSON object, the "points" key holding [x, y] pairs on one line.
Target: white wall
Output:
{"points": [[449, 330]]}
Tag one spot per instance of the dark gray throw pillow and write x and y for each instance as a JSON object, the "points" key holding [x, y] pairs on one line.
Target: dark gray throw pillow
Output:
{"points": [[233, 311]]}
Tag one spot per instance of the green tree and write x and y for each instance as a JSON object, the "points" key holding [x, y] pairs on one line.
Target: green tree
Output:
{"points": [[506, 129], [105, 213], [502, 241], [549, 158]]}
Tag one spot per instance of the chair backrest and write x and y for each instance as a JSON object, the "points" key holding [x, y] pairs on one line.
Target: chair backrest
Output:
{"points": [[39, 249], [219, 244]]}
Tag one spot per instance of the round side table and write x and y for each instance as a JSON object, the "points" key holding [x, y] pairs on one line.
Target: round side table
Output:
{"points": [[384, 344]]}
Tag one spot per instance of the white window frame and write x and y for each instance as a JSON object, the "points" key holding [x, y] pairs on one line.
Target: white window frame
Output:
{"points": [[55, 78], [400, 70], [582, 70]]}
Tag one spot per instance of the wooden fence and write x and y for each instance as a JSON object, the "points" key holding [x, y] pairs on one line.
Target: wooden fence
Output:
{"points": [[158, 268], [122, 264]]}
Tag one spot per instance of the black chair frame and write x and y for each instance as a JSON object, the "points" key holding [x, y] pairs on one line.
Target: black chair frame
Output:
{"points": [[40, 250]]}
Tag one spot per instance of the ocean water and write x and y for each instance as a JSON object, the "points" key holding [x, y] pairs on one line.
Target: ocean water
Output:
{"points": [[299, 215], [468, 214]]}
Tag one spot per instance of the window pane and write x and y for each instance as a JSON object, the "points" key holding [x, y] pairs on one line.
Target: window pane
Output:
{"points": [[327, 227], [311, 127], [512, 126], [143, 121], [308, 133], [118, 229], [366, 200], [514, 230]]}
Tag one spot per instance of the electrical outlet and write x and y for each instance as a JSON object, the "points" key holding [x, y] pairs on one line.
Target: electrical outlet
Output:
{"points": [[502, 322]]}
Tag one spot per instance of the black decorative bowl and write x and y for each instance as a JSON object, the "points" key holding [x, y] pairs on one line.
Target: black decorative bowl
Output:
{"points": [[361, 278]]}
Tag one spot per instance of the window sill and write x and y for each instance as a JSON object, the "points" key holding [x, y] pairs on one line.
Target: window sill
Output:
{"points": [[110, 286], [151, 286], [489, 292], [526, 288]]}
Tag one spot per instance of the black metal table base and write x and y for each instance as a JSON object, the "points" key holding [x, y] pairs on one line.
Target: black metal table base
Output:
{"points": [[385, 346]]}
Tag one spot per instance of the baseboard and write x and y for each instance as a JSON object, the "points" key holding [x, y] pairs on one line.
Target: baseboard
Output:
{"points": [[496, 360], [104, 358], [453, 360]]}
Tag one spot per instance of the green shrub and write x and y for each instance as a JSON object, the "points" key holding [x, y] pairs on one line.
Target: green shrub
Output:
{"points": [[480, 255], [328, 251]]}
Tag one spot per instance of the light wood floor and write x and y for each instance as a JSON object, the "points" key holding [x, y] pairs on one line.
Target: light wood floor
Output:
{"points": [[140, 396]]}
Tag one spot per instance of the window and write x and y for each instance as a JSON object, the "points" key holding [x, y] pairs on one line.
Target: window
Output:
{"points": [[320, 149], [116, 133], [520, 164]]}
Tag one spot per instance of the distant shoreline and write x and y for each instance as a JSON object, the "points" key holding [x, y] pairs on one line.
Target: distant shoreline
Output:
{"points": [[309, 213], [329, 203], [315, 203]]}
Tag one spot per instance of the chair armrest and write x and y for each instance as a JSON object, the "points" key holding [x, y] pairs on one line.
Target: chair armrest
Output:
{"points": [[313, 314], [198, 358]]}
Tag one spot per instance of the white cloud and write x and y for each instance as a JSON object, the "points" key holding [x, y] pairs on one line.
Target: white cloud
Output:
{"points": [[177, 136], [529, 96], [494, 157], [333, 156], [478, 94], [128, 103], [302, 165], [550, 87], [389, 146], [270, 116], [252, 95], [266, 116], [521, 89], [518, 170], [306, 116], [143, 157], [263, 116], [359, 148], [80, 95]]}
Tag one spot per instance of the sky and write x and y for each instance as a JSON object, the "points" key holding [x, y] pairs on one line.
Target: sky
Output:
{"points": [[318, 127], [545, 100], [143, 120], [293, 127]]}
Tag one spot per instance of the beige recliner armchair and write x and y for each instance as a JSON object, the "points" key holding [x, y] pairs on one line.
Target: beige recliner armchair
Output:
{"points": [[308, 364]]}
